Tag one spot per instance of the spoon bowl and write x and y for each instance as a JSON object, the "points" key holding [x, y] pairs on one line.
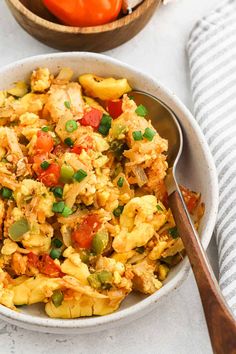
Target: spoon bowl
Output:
{"points": [[220, 322]]}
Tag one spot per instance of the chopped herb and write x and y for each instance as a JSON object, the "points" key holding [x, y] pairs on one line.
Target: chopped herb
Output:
{"points": [[57, 243], [80, 175], [118, 211], [55, 253], [69, 142], [141, 111], [173, 232], [57, 191], [44, 165], [140, 249], [137, 135], [131, 97], [45, 129], [66, 211], [67, 104], [6, 193], [58, 207], [149, 134], [105, 124], [118, 147], [71, 126], [120, 182], [159, 208]]}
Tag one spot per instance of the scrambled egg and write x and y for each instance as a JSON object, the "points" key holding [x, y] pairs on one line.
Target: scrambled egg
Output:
{"points": [[84, 218]]}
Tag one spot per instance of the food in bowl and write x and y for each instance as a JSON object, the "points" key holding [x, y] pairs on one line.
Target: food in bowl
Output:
{"points": [[83, 206]]}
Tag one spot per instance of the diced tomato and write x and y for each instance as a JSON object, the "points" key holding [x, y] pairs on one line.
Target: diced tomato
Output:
{"points": [[77, 149], [48, 267], [191, 198], [44, 142], [92, 118], [33, 260], [114, 108], [50, 177], [44, 264], [83, 235], [37, 160]]}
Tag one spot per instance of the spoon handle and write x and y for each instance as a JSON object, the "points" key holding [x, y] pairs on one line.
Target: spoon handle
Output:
{"points": [[220, 322]]}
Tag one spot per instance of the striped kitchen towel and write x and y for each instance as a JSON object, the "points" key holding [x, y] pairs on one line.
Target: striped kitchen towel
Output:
{"points": [[212, 60]]}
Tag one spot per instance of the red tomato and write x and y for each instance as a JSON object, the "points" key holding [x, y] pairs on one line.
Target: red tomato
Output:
{"points": [[44, 142], [114, 108], [33, 260], [83, 13], [77, 149], [83, 235], [92, 118], [48, 267], [50, 177]]}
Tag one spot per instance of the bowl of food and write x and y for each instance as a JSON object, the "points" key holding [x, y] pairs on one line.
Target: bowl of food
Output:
{"points": [[38, 21], [87, 238]]}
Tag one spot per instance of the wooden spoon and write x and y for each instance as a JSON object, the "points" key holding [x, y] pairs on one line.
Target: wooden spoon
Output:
{"points": [[220, 322]]}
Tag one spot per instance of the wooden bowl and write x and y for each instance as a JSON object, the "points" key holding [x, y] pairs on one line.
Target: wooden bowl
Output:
{"points": [[37, 21]]}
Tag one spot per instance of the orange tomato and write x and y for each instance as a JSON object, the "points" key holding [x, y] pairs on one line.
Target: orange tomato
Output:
{"points": [[83, 13], [50, 177], [83, 235], [44, 142]]}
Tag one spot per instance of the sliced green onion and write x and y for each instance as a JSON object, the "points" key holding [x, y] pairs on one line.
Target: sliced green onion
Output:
{"points": [[57, 191], [120, 182], [118, 211], [6, 193], [57, 298], [71, 126], [67, 104], [45, 129], [105, 124], [141, 111], [137, 135], [149, 134], [159, 208], [118, 147], [80, 175], [69, 142], [100, 242], [57, 243], [18, 229], [58, 207], [66, 174], [94, 282], [66, 211], [140, 249], [44, 165], [173, 232], [55, 253]]}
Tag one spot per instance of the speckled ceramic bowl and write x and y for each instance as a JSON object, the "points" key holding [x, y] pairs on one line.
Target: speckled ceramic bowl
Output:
{"points": [[195, 170]]}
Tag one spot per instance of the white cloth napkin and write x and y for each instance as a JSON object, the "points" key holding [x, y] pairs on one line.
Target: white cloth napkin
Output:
{"points": [[212, 60]]}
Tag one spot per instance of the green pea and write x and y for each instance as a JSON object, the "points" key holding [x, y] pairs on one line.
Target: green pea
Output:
{"points": [[94, 282], [55, 253], [57, 298], [104, 276], [100, 242]]}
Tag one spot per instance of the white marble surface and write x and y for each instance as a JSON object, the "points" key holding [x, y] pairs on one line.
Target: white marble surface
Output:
{"points": [[177, 325]]}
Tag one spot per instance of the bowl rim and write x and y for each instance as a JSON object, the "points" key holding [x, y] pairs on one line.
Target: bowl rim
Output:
{"points": [[136, 310], [124, 21]]}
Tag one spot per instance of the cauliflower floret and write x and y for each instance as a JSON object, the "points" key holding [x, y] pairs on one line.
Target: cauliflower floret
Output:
{"points": [[40, 80]]}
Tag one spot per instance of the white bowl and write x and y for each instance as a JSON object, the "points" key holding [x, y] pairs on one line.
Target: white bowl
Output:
{"points": [[195, 170]]}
